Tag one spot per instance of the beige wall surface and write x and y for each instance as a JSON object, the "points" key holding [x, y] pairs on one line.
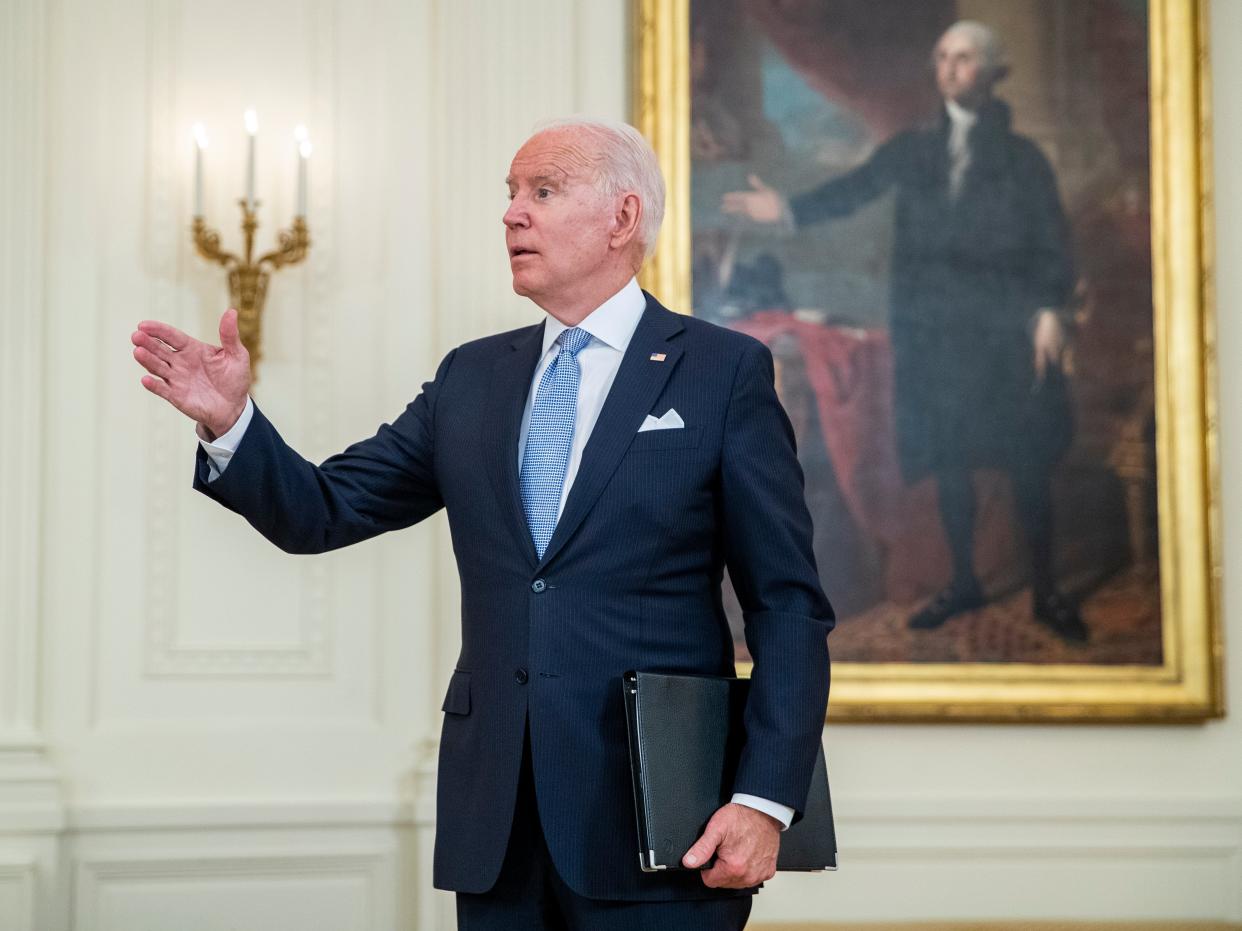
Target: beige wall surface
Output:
{"points": [[197, 731]]}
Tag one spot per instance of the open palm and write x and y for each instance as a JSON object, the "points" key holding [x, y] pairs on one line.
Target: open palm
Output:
{"points": [[207, 383], [762, 204]]}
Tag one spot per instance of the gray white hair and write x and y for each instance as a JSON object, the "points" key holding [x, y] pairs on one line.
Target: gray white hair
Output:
{"points": [[627, 164], [995, 59]]}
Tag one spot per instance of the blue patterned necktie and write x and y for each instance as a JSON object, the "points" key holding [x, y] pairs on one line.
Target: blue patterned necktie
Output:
{"points": [[550, 437]]}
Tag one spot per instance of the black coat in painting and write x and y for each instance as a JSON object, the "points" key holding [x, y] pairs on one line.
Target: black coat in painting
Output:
{"points": [[968, 276]]}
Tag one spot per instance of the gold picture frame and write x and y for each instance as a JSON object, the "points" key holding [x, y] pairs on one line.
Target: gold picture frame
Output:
{"points": [[1187, 685]]}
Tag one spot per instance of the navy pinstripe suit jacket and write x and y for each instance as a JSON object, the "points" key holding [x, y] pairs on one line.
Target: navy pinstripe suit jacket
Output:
{"points": [[630, 580]]}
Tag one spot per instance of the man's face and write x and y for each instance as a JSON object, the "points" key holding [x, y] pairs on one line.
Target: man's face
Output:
{"points": [[558, 224], [960, 74]]}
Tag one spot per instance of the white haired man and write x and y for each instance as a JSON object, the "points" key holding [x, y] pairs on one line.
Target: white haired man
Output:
{"points": [[981, 272], [588, 544]]}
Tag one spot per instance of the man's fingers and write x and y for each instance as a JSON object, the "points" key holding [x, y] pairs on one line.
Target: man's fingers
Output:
{"points": [[1047, 354], [720, 876], [704, 847], [714, 878], [229, 338], [745, 843], [763, 204], [725, 875], [151, 362], [1049, 342], [163, 331], [156, 347], [157, 386]]}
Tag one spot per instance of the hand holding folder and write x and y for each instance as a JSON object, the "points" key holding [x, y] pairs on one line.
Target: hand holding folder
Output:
{"points": [[686, 735], [738, 848]]}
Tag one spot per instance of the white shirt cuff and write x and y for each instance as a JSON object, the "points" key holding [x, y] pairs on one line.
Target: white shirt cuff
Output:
{"points": [[220, 450], [782, 813]]}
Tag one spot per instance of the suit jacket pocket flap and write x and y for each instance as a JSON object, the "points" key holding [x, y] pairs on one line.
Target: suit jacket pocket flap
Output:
{"points": [[457, 699], [678, 438]]}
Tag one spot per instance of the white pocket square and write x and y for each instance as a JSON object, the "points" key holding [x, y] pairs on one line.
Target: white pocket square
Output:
{"points": [[670, 421]]}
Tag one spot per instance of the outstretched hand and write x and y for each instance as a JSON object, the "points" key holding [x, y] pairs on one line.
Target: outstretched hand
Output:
{"points": [[745, 842], [761, 204], [208, 384]]}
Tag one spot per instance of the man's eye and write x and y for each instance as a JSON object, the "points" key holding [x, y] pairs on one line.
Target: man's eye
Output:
{"points": [[543, 193]]}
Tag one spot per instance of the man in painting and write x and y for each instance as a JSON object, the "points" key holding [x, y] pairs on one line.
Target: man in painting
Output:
{"points": [[980, 275]]}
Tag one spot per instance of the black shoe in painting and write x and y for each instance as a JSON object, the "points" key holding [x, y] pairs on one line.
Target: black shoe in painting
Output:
{"points": [[1059, 616], [951, 602]]}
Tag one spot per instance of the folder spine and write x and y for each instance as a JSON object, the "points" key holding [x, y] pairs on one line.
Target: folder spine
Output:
{"points": [[646, 853]]}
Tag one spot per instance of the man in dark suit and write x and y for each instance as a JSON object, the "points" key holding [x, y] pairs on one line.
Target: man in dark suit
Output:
{"points": [[981, 273], [599, 470]]}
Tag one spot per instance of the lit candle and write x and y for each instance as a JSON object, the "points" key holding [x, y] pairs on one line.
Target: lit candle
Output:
{"points": [[304, 151], [200, 139], [252, 129]]}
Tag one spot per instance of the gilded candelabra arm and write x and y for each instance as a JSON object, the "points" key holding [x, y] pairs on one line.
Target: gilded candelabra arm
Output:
{"points": [[207, 242], [292, 248], [248, 278]]}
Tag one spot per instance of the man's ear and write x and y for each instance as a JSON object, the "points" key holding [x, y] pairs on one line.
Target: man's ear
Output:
{"points": [[625, 221]]}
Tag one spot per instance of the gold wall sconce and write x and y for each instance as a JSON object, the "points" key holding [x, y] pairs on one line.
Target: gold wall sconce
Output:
{"points": [[248, 277]]}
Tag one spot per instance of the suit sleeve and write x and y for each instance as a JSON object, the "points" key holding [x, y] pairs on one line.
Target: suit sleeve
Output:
{"points": [[382, 483], [1049, 271], [771, 563], [841, 196]]}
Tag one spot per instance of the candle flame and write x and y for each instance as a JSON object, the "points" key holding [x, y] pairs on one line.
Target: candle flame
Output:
{"points": [[200, 135], [300, 133], [252, 121], [305, 148]]}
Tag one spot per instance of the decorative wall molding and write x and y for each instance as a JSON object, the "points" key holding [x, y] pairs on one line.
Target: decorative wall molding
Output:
{"points": [[103, 818], [1000, 926], [1024, 857], [31, 812], [1076, 809], [170, 254], [30, 795], [18, 896], [23, 157], [98, 876], [1193, 846]]}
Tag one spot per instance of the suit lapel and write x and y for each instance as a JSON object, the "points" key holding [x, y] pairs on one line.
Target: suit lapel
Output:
{"points": [[638, 383], [510, 386]]}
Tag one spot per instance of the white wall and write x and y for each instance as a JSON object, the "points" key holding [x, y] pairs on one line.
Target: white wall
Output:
{"points": [[191, 723]]}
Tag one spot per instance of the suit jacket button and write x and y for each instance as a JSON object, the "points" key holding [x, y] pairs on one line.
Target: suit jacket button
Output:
{"points": [[538, 586], [519, 676]]}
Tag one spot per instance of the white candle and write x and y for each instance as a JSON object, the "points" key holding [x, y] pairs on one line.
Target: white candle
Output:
{"points": [[252, 129], [200, 140], [304, 151]]}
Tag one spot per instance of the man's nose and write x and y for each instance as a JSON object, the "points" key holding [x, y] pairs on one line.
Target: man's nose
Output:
{"points": [[515, 217]]}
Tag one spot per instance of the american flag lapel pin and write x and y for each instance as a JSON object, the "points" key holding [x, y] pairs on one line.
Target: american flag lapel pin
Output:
{"points": [[658, 357]]}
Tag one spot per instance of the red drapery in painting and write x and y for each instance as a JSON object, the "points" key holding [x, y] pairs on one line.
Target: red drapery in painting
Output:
{"points": [[871, 58], [849, 373]]}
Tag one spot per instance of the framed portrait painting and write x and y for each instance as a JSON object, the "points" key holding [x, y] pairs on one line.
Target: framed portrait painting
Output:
{"points": [[975, 236]]}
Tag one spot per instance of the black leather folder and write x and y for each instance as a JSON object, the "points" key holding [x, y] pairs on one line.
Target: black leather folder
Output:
{"points": [[686, 735]]}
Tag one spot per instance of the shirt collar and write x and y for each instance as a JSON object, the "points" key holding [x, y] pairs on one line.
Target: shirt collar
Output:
{"points": [[959, 115], [612, 322]]}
